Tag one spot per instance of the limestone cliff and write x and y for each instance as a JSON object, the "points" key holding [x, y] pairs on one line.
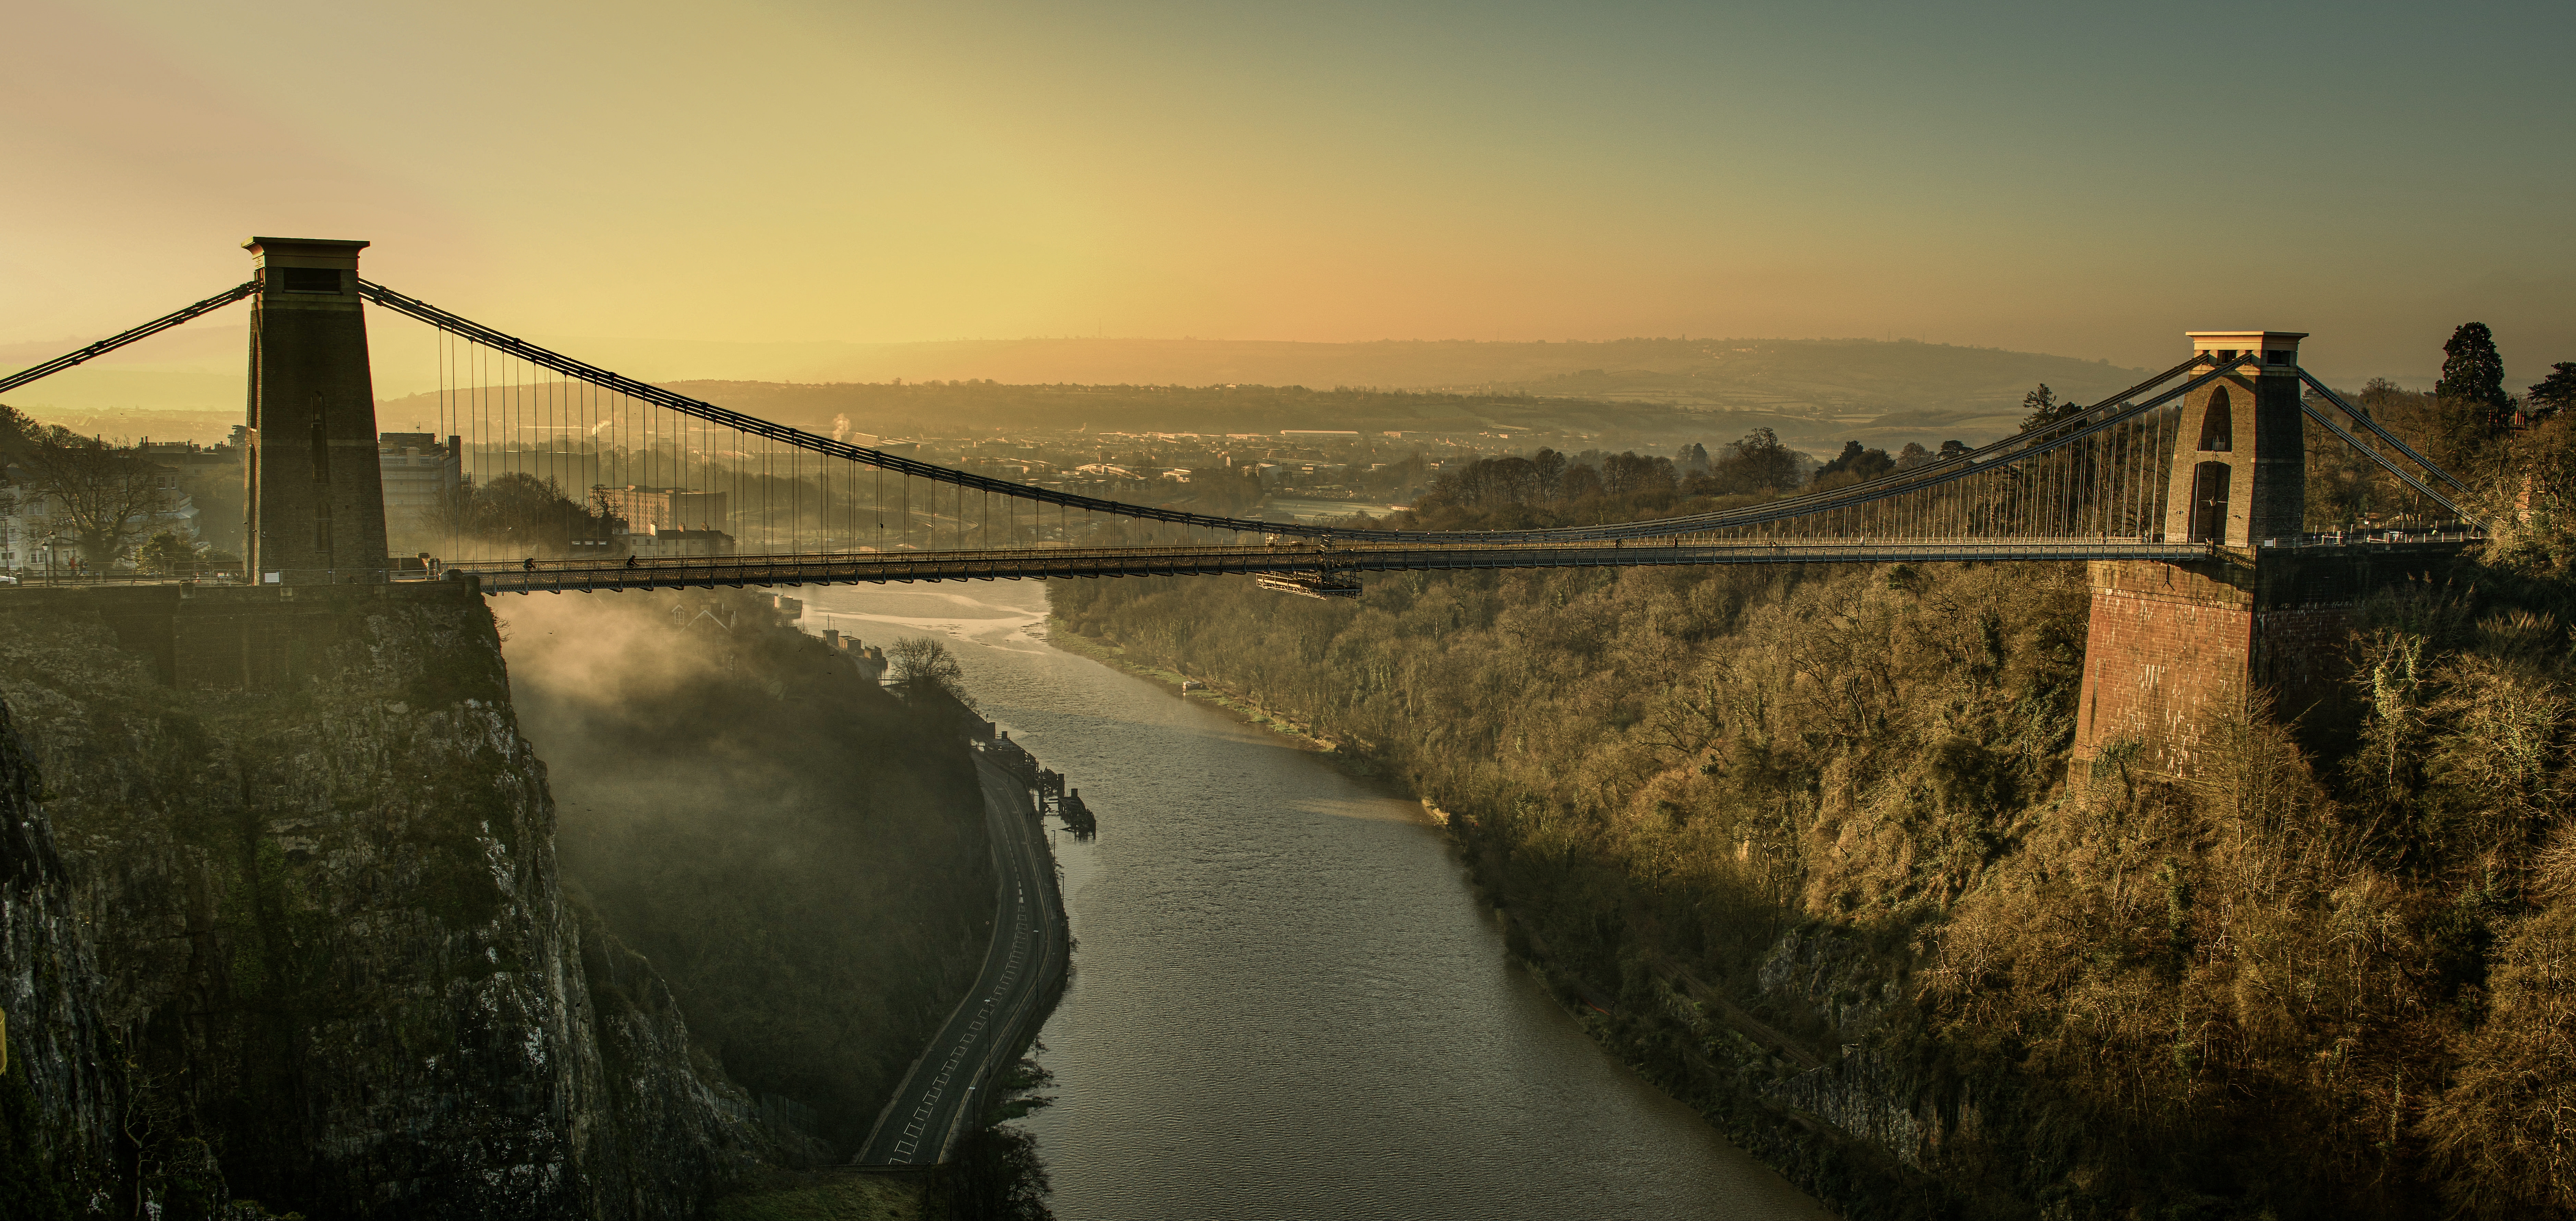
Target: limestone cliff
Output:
{"points": [[329, 933], [58, 1098]]}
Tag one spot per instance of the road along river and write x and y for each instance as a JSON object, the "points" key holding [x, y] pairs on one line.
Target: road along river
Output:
{"points": [[936, 1100], [1286, 1001]]}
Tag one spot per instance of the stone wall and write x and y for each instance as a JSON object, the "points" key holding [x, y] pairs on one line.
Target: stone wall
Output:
{"points": [[231, 637]]}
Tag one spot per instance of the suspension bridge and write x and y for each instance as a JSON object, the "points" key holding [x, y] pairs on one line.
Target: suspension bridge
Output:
{"points": [[2186, 496], [2203, 460]]}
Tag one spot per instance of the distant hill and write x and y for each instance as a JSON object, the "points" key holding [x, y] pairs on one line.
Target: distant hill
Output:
{"points": [[1815, 393], [949, 409], [1873, 390]]}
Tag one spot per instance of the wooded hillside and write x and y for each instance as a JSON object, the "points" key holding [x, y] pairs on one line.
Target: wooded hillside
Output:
{"points": [[1810, 829]]}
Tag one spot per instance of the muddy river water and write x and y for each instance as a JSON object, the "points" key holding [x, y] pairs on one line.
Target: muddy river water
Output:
{"points": [[1286, 1002]]}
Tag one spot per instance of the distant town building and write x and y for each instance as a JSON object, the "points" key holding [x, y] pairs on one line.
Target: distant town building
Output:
{"points": [[419, 474], [883, 445], [26, 525], [868, 659], [643, 508], [187, 458]]}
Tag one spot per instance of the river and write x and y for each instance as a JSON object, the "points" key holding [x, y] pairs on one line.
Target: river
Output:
{"points": [[1286, 1001]]}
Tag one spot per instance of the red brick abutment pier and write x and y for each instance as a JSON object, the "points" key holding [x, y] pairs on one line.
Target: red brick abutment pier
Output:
{"points": [[2174, 650]]}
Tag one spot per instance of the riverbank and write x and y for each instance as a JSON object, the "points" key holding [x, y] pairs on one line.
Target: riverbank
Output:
{"points": [[1002, 1089], [852, 1193], [1240, 705]]}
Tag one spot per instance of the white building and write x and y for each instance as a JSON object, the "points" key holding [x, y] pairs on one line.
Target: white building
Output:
{"points": [[25, 525], [34, 533], [419, 475]]}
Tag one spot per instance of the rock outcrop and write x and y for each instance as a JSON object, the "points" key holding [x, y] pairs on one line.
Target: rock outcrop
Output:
{"points": [[58, 1095], [330, 936]]}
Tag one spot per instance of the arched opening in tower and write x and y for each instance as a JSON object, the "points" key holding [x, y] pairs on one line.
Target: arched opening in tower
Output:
{"points": [[2218, 423], [2209, 482]]}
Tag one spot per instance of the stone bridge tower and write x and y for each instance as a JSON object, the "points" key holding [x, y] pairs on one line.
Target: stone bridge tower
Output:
{"points": [[2169, 645], [2240, 470], [315, 493]]}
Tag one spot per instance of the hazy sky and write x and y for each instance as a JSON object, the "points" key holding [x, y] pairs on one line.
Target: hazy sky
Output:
{"points": [[2084, 179]]}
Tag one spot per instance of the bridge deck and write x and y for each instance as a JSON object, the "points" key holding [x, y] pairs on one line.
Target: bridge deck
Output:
{"points": [[871, 567], [882, 566]]}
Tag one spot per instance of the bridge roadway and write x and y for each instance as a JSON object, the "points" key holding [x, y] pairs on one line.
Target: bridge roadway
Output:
{"points": [[939, 1096], [1340, 556]]}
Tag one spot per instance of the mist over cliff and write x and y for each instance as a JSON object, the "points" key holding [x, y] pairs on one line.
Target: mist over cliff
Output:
{"points": [[800, 854]]}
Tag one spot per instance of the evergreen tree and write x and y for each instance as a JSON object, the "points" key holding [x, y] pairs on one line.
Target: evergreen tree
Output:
{"points": [[2556, 392], [2473, 372], [2045, 410]]}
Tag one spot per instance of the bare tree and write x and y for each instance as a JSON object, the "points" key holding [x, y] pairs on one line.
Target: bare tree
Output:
{"points": [[923, 665], [101, 496]]}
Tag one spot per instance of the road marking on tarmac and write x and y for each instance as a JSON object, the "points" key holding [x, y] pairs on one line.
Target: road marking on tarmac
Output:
{"points": [[1023, 931]]}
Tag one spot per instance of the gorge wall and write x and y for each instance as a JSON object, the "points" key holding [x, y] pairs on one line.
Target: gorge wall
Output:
{"points": [[59, 1097], [802, 855], [335, 968]]}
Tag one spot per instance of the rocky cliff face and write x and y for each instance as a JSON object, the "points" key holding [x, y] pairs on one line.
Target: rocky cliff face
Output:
{"points": [[58, 1097], [331, 940]]}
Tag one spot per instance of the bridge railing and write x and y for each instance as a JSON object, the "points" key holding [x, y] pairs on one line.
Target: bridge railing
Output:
{"points": [[291, 576], [1337, 562]]}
